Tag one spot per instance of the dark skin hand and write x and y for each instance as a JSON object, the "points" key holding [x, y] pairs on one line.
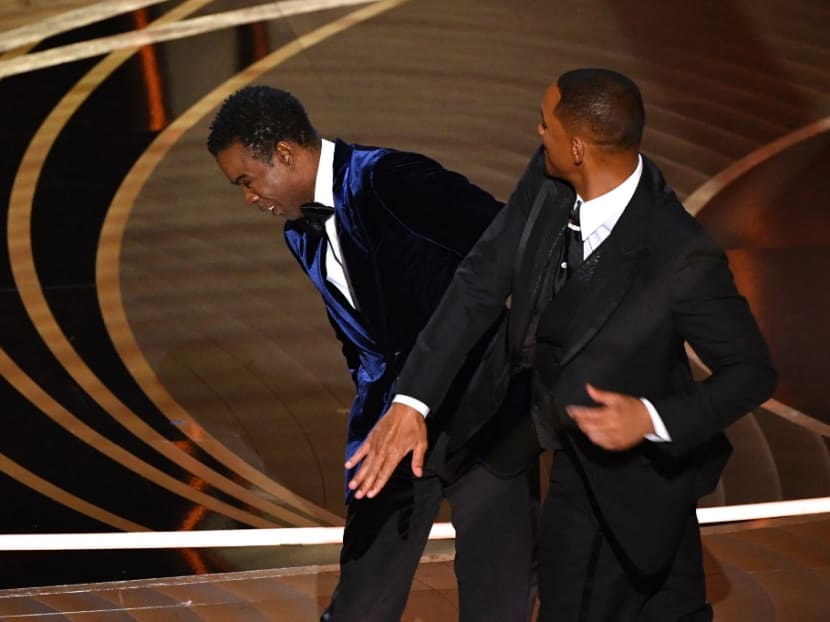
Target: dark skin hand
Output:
{"points": [[401, 430], [617, 423]]}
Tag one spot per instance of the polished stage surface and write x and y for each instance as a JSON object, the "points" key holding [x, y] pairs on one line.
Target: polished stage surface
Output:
{"points": [[166, 366]]}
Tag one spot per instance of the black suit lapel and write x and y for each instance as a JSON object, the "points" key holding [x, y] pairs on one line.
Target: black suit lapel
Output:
{"points": [[621, 253], [544, 236]]}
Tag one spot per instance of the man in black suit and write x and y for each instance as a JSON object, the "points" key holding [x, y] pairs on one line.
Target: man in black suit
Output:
{"points": [[370, 226], [608, 276]]}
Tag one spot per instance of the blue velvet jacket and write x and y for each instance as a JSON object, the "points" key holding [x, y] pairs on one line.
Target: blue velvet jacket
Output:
{"points": [[404, 223]]}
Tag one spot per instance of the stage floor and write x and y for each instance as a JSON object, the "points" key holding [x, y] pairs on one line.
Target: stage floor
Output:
{"points": [[777, 571]]}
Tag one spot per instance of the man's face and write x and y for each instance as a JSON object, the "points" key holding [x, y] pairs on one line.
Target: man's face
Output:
{"points": [[555, 139], [280, 187]]}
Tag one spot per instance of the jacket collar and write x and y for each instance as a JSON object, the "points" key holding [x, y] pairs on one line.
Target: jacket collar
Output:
{"points": [[622, 253]]}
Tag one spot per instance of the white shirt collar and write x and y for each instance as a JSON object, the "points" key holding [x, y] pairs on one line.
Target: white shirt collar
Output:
{"points": [[324, 182], [607, 209]]}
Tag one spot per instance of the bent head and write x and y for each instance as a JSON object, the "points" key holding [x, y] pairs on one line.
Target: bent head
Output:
{"points": [[589, 110], [263, 142]]}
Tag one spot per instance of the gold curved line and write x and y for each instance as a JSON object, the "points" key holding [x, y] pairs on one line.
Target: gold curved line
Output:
{"points": [[773, 406], [28, 284], [698, 199], [164, 32], [52, 409], [797, 417], [67, 20], [705, 193], [25, 275], [47, 489], [112, 232], [15, 52]]}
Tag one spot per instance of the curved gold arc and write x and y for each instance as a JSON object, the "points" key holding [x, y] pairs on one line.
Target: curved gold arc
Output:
{"points": [[52, 409], [47, 489], [705, 193], [773, 406], [157, 32], [701, 197], [28, 284], [109, 288], [15, 52], [33, 33]]}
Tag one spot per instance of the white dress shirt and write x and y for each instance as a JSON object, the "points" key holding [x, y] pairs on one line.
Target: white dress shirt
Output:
{"points": [[324, 193], [597, 218]]}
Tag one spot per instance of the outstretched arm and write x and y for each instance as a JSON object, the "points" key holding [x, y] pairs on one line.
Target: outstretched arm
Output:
{"points": [[401, 430], [472, 302]]}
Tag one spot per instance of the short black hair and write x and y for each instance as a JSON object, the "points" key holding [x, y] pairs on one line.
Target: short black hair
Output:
{"points": [[259, 117], [604, 103]]}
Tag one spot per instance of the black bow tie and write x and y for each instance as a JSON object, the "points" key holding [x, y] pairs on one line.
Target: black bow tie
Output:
{"points": [[315, 215]]}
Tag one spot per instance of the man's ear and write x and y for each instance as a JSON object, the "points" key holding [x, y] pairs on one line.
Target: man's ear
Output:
{"points": [[284, 154], [577, 149]]}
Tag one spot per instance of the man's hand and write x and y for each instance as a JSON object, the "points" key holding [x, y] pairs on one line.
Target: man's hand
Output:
{"points": [[619, 422], [401, 430]]}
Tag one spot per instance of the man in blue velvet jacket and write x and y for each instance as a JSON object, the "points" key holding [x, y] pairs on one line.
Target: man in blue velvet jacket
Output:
{"points": [[380, 233]]}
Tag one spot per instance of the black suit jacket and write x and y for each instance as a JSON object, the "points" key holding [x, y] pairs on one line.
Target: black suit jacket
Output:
{"points": [[660, 282]]}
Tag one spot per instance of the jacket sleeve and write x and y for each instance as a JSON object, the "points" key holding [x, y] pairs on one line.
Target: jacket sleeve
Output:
{"points": [[716, 321], [432, 202], [473, 301]]}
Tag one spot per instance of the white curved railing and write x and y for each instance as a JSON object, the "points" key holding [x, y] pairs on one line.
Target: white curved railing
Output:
{"points": [[334, 535]]}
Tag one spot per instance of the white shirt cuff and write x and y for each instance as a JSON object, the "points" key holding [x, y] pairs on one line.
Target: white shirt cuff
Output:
{"points": [[413, 403], [661, 434]]}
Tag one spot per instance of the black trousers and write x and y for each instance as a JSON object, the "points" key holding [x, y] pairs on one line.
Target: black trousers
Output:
{"points": [[584, 577], [496, 524]]}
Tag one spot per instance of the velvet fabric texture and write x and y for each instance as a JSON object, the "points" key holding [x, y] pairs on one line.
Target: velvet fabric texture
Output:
{"points": [[404, 223]]}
